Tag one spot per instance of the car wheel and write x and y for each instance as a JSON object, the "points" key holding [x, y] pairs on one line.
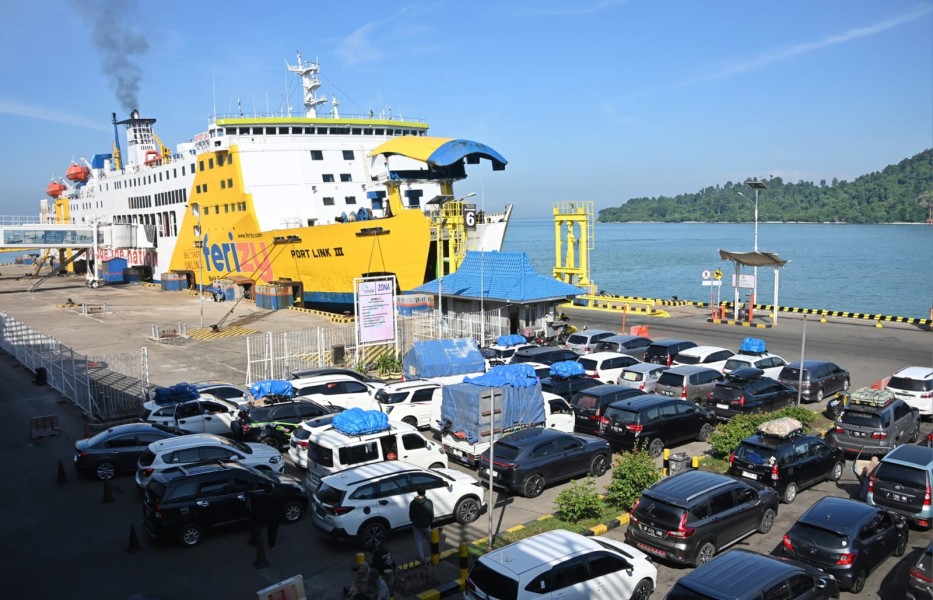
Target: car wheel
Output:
{"points": [[371, 535], [836, 473], [466, 511], [599, 465], [767, 521], [105, 470], [915, 435], [437, 466], [190, 534], [411, 421], [656, 447], [270, 441], [704, 432], [858, 583], [819, 394], [790, 493], [642, 590], [901, 545], [292, 511], [533, 486], [704, 554]]}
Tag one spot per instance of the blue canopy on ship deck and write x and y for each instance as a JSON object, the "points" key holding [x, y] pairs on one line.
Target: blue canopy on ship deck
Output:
{"points": [[440, 151]]}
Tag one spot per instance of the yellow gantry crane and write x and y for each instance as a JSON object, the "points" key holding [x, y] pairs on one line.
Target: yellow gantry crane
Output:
{"points": [[572, 252]]}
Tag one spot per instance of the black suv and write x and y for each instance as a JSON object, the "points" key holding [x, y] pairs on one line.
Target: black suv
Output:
{"points": [[664, 351], [691, 516], [787, 463], [745, 575], [846, 538], [747, 391], [902, 482], [546, 355], [566, 387], [820, 379], [657, 422], [273, 425], [589, 406], [181, 502]]}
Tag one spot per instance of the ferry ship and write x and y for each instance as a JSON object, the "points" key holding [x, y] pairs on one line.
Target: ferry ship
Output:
{"points": [[307, 201]]}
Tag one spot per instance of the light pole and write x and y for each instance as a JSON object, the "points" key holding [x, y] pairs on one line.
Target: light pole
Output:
{"points": [[440, 261], [755, 185], [199, 243]]}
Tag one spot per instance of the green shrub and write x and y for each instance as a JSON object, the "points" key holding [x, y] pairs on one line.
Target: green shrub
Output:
{"points": [[578, 502], [726, 436], [631, 474]]}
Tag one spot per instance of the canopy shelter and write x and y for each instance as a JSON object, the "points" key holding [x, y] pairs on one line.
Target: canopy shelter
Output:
{"points": [[755, 259]]}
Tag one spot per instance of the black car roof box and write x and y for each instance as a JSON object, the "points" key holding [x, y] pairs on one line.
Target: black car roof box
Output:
{"points": [[871, 397], [783, 427]]}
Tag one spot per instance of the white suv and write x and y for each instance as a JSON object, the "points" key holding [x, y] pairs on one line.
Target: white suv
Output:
{"points": [[914, 385], [711, 357], [368, 502], [206, 414], [298, 441], [561, 564], [771, 364], [198, 447], [409, 401], [337, 390], [606, 366]]}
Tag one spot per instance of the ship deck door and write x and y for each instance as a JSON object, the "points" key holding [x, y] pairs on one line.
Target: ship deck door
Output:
{"points": [[297, 291], [192, 283]]}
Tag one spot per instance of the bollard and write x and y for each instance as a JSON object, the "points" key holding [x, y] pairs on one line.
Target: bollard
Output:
{"points": [[62, 478], [464, 564], [695, 463], [435, 546], [133, 545], [108, 493], [261, 561], [666, 462]]}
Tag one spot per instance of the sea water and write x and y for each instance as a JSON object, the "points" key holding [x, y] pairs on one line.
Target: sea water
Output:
{"points": [[886, 269]]}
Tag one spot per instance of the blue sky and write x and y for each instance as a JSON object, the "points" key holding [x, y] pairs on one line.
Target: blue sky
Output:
{"points": [[596, 100]]}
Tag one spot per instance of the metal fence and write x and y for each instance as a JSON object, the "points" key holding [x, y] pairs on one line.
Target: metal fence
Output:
{"points": [[278, 355], [105, 388]]}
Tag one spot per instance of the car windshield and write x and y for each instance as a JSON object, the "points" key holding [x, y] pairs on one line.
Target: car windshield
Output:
{"points": [[793, 374], [734, 364], [860, 418], [503, 451], [577, 339], [620, 415], [586, 401], [320, 455], [820, 536], [901, 474], [671, 379], [681, 592], [588, 363], [687, 359], [757, 455], [257, 415], [493, 582], [660, 512], [330, 495], [632, 376], [910, 385], [394, 398], [244, 448]]}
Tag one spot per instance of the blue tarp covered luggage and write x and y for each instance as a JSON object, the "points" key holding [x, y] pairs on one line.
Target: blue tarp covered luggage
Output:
{"points": [[357, 421], [180, 392], [752, 346], [271, 387], [442, 358], [511, 340], [567, 368], [522, 402]]}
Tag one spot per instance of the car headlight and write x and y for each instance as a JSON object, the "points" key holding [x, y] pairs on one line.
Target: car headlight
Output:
{"points": [[275, 459], [388, 409]]}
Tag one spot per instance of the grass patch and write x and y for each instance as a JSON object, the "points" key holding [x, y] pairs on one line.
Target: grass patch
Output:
{"points": [[716, 465]]}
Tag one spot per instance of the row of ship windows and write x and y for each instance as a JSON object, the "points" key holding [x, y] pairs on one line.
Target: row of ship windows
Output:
{"points": [[321, 131], [148, 179], [201, 188], [222, 159], [178, 196], [165, 222], [227, 208]]}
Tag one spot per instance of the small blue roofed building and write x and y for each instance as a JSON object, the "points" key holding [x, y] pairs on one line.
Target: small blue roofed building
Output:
{"points": [[504, 286]]}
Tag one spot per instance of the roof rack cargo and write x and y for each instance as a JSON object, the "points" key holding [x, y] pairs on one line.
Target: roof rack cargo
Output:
{"points": [[753, 346], [871, 397], [783, 427]]}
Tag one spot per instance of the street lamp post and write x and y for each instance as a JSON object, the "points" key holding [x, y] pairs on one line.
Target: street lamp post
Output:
{"points": [[755, 185]]}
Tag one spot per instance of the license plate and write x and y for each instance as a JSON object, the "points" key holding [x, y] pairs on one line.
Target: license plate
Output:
{"points": [[723, 406], [652, 531], [858, 434], [896, 497], [749, 475]]}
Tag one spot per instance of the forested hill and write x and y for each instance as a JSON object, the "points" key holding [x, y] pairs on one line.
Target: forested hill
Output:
{"points": [[899, 193]]}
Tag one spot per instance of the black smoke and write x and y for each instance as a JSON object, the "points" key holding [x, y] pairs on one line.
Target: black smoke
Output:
{"points": [[114, 33]]}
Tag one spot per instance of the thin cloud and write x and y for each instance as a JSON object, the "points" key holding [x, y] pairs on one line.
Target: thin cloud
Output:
{"points": [[46, 114], [591, 8], [358, 48]]}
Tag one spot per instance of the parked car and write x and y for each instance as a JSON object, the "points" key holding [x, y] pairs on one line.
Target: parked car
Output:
{"points": [[642, 376], [183, 501], [920, 576], [367, 503], [344, 391], [712, 357], [875, 422], [663, 352], [770, 364], [526, 461], [633, 345], [589, 406], [225, 391], [273, 424], [561, 564], [319, 371], [691, 383], [820, 379], [207, 414], [198, 447], [298, 442], [607, 367], [747, 391], [655, 423], [567, 387], [502, 355], [846, 538], [206, 390], [788, 462], [117, 449], [409, 401], [903, 481], [914, 385], [691, 516], [741, 574], [546, 355], [584, 342]]}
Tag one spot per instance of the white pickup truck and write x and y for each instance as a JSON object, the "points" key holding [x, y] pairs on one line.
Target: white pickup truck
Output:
{"points": [[558, 415]]}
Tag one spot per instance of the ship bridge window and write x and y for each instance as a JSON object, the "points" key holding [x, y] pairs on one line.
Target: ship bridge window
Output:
{"points": [[328, 201], [357, 131], [367, 132], [270, 130], [283, 131], [340, 131], [348, 154], [317, 155], [380, 131], [327, 178], [345, 177], [244, 131], [350, 199]]}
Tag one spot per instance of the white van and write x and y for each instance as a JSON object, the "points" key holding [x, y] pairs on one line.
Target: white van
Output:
{"points": [[330, 451]]}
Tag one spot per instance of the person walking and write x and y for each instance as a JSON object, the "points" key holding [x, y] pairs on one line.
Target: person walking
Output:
{"points": [[421, 515]]}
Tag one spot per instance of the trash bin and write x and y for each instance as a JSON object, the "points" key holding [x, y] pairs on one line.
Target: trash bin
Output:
{"points": [[678, 463]]}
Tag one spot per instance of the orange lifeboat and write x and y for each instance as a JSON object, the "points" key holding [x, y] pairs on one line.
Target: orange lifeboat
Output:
{"points": [[55, 189], [153, 157], [77, 173]]}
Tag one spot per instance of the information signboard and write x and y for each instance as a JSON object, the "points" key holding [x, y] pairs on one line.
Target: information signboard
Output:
{"points": [[375, 309]]}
